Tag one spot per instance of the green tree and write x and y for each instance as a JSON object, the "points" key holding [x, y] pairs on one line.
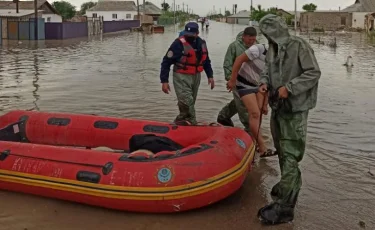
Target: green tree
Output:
{"points": [[165, 6], [309, 7], [227, 13], [259, 13], [65, 9], [85, 6]]}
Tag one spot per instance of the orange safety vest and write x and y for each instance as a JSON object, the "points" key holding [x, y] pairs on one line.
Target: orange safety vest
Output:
{"points": [[188, 63]]}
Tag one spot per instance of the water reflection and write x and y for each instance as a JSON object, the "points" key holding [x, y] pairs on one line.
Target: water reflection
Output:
{"points": [[35, 82]]}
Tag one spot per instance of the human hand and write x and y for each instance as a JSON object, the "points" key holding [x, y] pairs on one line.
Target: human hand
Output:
{"points": [[230, 85], [211, 82], [263, 88], [165, 88], [283, 92]]}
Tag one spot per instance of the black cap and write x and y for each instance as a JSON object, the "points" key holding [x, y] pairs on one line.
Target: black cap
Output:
{"points": [[250, 31]]}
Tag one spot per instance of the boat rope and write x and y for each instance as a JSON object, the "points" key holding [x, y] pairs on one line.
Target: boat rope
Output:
{"points": [[106, 167]]}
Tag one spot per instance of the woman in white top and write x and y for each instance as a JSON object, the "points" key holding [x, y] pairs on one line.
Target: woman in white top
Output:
{"points": [[245, 77]]}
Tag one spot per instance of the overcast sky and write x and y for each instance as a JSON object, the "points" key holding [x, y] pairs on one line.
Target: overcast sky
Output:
{"points": [[202, 7]]}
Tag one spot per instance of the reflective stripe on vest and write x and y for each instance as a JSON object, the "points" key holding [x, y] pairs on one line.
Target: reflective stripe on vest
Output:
{"points": [[188, 63]]}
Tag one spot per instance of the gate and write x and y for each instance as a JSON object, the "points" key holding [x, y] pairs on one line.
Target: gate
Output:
{"points": [[95, 26], [12, 30], [1, 29]]}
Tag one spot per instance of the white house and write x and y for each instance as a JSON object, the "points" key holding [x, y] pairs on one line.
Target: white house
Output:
{"points": [[359, 10], [48, 12], [113, 10]]}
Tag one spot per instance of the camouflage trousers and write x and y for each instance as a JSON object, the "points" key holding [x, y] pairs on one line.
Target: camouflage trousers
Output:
{"points": [[289, 136], [233, 107], [186, 87]]}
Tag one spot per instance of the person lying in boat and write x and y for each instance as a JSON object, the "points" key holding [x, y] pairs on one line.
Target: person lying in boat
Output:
{"points": [[245, 79], [189, 55]]}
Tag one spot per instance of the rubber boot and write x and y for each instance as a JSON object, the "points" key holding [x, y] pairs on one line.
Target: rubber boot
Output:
{"points": [[225, 121], [276, 213], [275, 192]]}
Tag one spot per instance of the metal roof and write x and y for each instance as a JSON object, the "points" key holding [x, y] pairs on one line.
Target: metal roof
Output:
{"points": [[14, 14], [241, 14], [150, 8], [25, 5], [114, 6], [361, 6]]}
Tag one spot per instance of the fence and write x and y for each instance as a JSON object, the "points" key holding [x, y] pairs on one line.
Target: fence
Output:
{"points": [[66, 30], [25, 30], [114, 26]]}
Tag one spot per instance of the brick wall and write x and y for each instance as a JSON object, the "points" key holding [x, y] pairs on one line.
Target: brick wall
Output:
{"points": [[325, 20]]}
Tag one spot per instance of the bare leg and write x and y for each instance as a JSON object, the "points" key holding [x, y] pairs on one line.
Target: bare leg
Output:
{"points": [[251, 103]]}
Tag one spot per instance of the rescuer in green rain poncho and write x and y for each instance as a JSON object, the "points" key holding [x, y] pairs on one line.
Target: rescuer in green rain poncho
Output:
{"points": [[235, 49], [291, 78]]}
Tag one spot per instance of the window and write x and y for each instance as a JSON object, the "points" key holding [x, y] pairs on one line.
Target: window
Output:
{"points": [[128, 16], [49, 19], [114, 16], [94, 15]]}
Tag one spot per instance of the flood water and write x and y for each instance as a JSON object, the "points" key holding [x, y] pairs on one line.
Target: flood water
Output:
{"points": [[118, 75]]}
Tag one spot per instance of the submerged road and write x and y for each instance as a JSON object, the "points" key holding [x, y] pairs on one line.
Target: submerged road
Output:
{"points": [[110, 76]]}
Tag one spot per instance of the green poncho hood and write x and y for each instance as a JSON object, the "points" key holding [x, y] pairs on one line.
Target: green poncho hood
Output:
{"points": [[275, 29]]}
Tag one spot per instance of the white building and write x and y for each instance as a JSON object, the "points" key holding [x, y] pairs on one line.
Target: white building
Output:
{"points": [[48, 12], [113, 10], [359, 10]]}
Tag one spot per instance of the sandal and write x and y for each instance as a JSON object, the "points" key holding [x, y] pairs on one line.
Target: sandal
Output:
{"points": [[268, 153]]}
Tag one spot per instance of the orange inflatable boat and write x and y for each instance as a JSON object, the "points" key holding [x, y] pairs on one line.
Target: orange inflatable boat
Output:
{"points": [[154, 166]]}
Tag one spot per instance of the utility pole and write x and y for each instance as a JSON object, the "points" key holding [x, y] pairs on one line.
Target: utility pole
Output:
{"points": [[36, 19], [187, 8], [138, 9], [251, 8], [183, 7], [174, 14], [174, 11], [295, 16], [144, 8], [17, 8]]}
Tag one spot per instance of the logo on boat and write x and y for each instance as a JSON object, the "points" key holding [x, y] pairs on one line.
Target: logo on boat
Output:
{"points": [[241, 143], [164, 175]]}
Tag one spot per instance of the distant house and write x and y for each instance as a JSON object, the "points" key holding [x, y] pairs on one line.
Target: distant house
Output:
{"points": [[359, 10], [47, 11], [151, 10], [113, 10], [242, 18], [352, 16], [326, 20], [287, 16]]}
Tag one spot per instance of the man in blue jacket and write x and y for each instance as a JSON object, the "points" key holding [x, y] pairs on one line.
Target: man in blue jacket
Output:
{"points": [[189, 55]]}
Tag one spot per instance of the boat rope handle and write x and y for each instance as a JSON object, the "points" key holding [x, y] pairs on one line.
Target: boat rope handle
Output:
{"points": [[106, 168]]}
